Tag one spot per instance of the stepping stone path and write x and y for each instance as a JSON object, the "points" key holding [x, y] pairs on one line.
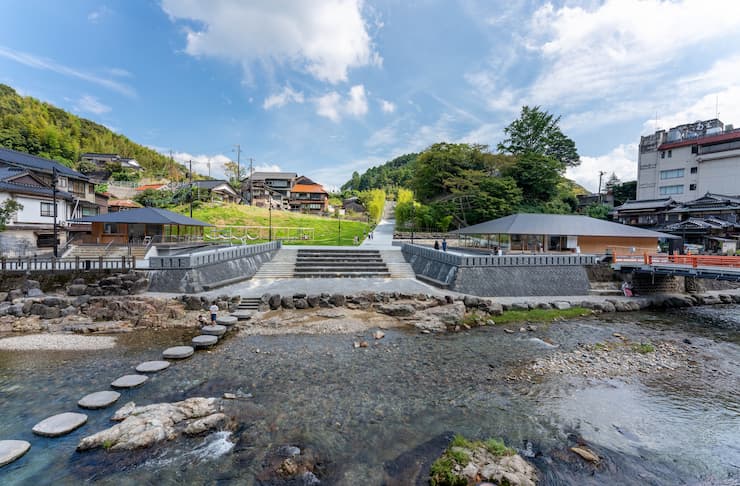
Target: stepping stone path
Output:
{"points": [[10, 450], [178, 352], [213, 330], [99, 399], [242, 315], [226, 320], [60, 424], [152, 366], [204, 341], [129, 381]]}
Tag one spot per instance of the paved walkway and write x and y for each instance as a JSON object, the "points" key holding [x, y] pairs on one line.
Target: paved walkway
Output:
{"points": [[382, 237]]}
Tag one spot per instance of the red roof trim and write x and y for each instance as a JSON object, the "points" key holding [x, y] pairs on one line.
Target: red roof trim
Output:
{"points": [[723, 137]]}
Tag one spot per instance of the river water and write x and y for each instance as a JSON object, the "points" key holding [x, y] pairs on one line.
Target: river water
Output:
{"points": [[374, 415]]}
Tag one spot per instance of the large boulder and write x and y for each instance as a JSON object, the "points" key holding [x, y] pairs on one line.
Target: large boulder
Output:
{"points": [[440, 318], [287, 302], [397, 310], [274, 301], [45, 312], [144, 426], [338, 300]]}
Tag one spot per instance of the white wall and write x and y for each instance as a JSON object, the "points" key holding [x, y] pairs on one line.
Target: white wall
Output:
{"points": [[31, 212]]}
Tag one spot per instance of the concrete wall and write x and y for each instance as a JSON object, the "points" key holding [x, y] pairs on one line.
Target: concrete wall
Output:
{"points": [[199, 279], [622, 246]]}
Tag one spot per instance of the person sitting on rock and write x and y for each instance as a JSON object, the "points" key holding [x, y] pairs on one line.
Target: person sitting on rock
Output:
{"points": [[202, 320], [627, 289]]}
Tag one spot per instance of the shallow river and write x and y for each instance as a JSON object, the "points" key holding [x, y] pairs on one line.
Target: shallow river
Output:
{"points": [[372, 414]]}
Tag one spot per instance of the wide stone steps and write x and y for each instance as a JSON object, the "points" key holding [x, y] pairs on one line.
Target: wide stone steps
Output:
{"points": [[340, 263], [281, 265], [248, 303]]}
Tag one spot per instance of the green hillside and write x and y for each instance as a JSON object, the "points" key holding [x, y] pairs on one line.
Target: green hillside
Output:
{"points": [[388, 176], [319, 230], [39, 128]]}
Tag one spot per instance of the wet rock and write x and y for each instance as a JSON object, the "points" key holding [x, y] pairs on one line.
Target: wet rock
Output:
{"points": [[508, 331], [440, 318], [129, 381], [586, 454], [152, 366], [60, 424], [513, 470], [147, 425], [364, 344], [378, 335], [300, 304], [216, 330], [204, 341], [313, 301], [229, 396], [10, 450], [608, 307]]}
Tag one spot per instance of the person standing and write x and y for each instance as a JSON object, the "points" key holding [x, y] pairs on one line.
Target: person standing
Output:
{"points": [[444, 244], [436, 244], [214, 311]]}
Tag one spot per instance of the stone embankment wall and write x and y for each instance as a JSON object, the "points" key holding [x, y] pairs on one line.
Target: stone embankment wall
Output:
{"points": [[201, 271], [535, 275]]}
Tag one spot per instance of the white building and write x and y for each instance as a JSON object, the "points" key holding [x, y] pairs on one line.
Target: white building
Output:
{"points": [[688, 161]]}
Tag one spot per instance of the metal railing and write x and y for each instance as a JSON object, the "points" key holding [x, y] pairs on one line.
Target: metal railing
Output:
{"points": [[66, 264], [210, 257], [545, 259], [694, 261]]}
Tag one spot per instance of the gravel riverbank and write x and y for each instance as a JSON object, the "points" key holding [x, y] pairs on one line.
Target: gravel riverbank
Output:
{"points": [[56, 342]]}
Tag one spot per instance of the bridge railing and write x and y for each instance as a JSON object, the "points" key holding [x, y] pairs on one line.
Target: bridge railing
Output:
{"points": [[694, 261]]}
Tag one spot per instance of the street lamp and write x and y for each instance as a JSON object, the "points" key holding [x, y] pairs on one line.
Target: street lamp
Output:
{"points": [[340, 213], [54, 181], [269, 210], [413, 220]]}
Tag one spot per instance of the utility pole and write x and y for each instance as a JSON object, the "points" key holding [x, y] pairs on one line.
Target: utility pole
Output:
{"points": [[54, 198], [601, 174], [209, 168], [172, 163], [251, 186], [191, 188]]}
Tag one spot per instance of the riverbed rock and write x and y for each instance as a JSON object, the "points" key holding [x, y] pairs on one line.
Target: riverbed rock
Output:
{"points": [[99, 399], [60, 424], [45, 312], [378, 335], [300, 303], [338, 300], [34, 293], [274, 301], [397, 310], [129, 381], [513, 470], [149, 424], [152, 366], [313, 301], [587, 454], [10, 450], [204, 341], [440, 318], [178, 352], [561, 305]]}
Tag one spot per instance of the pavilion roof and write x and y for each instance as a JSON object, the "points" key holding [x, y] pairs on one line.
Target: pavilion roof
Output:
{"points": [[144, 216]]}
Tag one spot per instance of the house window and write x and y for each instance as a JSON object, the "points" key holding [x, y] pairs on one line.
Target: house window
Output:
{"points": [[692, 187], [667, 190], [77, 187], [61, 181], [671, 174], [662, 155], [88, 211], [47, 209], [694, 170], [694, 149], [110, 228], [670, 154]]}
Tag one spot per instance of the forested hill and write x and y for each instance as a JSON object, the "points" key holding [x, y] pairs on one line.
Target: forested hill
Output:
{"points": [[394, 173], [39, 128]]}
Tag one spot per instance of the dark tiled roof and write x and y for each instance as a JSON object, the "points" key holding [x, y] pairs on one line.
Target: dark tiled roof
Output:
{"points": [[272, 175], [34, 190], [558, 224], [646, 204], [144, 216], [210, 184], [39, 164]]}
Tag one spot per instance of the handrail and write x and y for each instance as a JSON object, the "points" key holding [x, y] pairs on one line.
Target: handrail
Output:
{"points": [[693, 261], [541, 259]]}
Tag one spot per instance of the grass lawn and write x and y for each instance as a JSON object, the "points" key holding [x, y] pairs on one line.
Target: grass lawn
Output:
{"points": [[325, 230], [540, 315]]}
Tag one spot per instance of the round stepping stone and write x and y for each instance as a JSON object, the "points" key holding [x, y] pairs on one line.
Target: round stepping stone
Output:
{"points": [[178, 352], [204, 341], [152, 366], [213, 330], [99, 399], [10, 450], [242, 315], [226, 320], [129, 381], [60, 424]]}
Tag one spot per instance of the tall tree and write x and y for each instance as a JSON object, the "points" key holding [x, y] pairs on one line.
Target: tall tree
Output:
{"points": [[7, 211], [537, 131], [537, 176]]}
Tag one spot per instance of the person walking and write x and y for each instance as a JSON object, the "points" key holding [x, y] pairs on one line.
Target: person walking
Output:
{"points": [[444, 244], [214, 311], [436, 244]]}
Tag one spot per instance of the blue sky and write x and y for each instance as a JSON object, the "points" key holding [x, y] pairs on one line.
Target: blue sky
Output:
{"points": [[326, 87]]}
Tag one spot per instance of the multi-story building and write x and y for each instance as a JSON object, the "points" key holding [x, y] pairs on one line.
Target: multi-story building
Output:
{"points": [[308, 197], [269, 189], [101, 160], [689, 160], [27, 179]]}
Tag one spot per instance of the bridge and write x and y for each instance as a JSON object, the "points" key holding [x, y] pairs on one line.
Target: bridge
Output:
{"points": [[698, 266]]}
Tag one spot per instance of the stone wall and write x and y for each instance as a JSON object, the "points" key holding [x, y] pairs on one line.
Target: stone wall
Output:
{"points": [[522, 281], [199, 279], [644, 283]]}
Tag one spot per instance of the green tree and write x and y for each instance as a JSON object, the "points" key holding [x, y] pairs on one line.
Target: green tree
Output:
{"points": [[537, 176], [7, 211], [598, 211], [155, 198], [537, 131], [624, 192], [233, 173]]}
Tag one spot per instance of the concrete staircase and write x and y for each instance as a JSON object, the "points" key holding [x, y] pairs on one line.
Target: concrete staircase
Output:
{"points": [[340, 263], [397, 264], [249, 304], [281, 265], [93, 252]]}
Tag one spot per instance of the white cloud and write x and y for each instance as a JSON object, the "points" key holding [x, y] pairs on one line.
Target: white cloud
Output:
{"points": [[387, 106], [383, 137], [46, 64], [333, 107], [91, 104], [201, 162], [265, 168], [287, 95], [98, 14], [325, 38], [704, 108], [620, 45], [622, 160]]}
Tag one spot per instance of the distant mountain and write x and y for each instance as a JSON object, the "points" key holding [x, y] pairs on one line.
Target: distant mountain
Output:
{"points": [[393, 174], [39, 128]]}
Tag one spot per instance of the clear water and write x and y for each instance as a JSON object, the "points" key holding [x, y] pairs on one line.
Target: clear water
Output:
{"points": [[363, 410]]}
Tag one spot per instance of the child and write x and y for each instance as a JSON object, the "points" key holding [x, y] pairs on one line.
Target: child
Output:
{"points": [[214, 310], [202, 320]]}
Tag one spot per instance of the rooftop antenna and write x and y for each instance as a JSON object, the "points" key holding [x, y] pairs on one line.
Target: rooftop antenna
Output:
{"points": [[716, 106]]}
